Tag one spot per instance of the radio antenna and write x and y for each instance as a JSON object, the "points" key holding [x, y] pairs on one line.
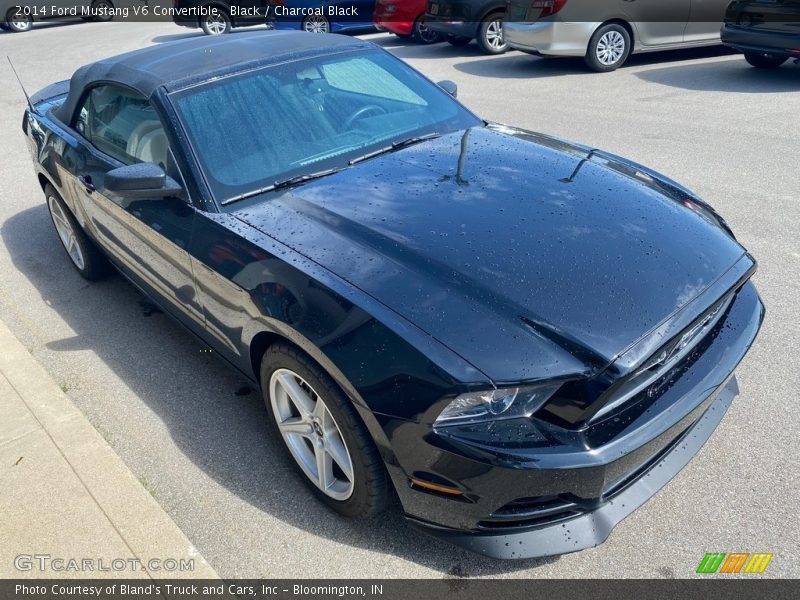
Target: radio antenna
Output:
{"points": [[27, 98]]}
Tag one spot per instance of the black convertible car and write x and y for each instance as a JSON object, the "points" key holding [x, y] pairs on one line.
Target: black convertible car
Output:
{"points": [[521, 337]]}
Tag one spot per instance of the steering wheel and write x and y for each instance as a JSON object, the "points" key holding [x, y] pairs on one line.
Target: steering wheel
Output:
{"points": [[369, 108]]}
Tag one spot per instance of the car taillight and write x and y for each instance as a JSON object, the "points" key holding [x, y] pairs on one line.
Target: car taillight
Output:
{"points": [[548, 7]]}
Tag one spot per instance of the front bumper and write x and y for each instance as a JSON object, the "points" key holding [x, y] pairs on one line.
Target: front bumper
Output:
{"points": [[549, 38], [747, 39], [568, 493]]}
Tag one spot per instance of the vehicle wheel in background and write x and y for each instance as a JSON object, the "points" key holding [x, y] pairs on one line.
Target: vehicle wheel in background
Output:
{"points": [[102, 5], [84, 255], [423, 34], [18, 22], [490, 35], [458, 40], [323, 433], [216, 23], [762, 60], [316, 24], [608, 49]]}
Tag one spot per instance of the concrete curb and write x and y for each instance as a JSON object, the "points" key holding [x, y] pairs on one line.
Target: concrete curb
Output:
{"points": [[67, 495]]}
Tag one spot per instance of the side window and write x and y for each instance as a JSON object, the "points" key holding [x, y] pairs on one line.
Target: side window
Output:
{"points": [[123, 125]]}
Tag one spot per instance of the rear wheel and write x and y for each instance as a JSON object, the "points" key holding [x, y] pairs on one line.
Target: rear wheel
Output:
{"points": [[18, 22], [608, 49], [490, 35], [423, 34], [103, 10], [322, 433], [316, 24], [216, 23], [762, 60], [84, 255]]}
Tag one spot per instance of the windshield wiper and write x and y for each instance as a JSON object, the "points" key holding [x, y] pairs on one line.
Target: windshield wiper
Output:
{"points": [[283, 184], [395, 146]]}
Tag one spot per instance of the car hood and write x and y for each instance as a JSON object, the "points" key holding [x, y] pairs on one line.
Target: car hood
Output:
{"points": [[528, 256]]}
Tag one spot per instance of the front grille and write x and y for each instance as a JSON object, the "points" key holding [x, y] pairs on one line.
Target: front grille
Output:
{"points": [[660, 367]]}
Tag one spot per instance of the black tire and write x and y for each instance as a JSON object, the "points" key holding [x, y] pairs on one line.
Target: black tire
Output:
{"points": [[423, 34], [487, 38], [316, 24], [217, 23], [608, 49], [762, 60], [93, 265], [458, 40], [98, 5], [4, 27], [370, 490], [18, 23]]}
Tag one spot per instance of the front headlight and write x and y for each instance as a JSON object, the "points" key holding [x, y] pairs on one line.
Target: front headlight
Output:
{"points": [[492, 405]]}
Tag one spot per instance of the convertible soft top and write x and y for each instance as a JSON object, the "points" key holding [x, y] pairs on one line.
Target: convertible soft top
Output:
{"points": [[197, 59]]}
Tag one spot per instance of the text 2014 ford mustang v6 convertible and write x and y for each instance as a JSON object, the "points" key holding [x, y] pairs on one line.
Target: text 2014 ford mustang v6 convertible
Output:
{"points": [[521, 337]]}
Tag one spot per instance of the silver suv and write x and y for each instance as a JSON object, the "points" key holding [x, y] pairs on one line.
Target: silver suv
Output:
{"points": [[606, 32]]}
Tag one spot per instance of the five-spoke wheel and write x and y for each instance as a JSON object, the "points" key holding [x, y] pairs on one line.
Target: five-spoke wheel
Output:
{"points": [[322, 432]]}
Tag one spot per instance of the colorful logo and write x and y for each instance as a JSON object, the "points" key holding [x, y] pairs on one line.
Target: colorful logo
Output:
{"points": [[735, 562]]}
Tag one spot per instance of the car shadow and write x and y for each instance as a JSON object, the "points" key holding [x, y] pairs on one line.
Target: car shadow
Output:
{"points": [[727, 76], [408, 48], [194, 394], [516, 65]]}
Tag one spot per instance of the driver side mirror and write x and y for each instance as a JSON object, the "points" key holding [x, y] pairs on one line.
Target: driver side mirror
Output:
{"points": [[143, 181], [449, 86]]}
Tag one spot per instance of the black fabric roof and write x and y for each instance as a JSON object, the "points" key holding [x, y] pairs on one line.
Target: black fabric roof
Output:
{"points": [[177, 64]]}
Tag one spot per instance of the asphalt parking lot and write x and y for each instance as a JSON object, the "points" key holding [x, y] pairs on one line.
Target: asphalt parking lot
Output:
{"points": [[197, 438]]}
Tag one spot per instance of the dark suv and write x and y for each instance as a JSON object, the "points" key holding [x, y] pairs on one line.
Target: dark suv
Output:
{"points": [[767, 31], [465, 20]]}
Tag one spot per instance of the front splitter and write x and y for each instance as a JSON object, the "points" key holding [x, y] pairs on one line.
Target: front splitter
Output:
{"points": [[591, 529]]}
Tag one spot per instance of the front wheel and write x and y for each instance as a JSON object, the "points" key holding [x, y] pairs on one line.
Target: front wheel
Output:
{"points": [[322, 433], [216, 23], [316, 24], [84, 255], [490, 35], [18, 22], [423, 34], [762, 60]]}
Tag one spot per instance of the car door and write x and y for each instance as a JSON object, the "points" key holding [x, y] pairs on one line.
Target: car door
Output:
{"points": [[147, 238], [705, 20], [657, 22]]}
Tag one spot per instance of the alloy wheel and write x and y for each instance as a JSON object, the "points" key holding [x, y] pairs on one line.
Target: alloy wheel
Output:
{"points": [[311, 434], [494, 35], [216, 24], [610, 48], [316, 24], [66, 233], [426, 34]]}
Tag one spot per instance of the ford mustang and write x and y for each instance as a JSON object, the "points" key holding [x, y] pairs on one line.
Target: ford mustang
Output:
{"points": [[520, 337]]}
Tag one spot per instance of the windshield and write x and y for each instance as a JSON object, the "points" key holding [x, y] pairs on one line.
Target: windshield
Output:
{"points": [[254, 130]]}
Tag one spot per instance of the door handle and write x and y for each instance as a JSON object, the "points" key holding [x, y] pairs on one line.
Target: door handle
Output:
{"points": [[86, 180]]}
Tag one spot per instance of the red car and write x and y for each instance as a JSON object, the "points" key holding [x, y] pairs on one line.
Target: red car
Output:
{"points": [[405, 18]]}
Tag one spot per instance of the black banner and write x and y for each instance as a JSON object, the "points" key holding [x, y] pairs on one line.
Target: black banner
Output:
{"points": [[712, 588]]}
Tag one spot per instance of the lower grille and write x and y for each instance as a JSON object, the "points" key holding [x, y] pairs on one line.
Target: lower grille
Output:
{"points": [[527, 512]]}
